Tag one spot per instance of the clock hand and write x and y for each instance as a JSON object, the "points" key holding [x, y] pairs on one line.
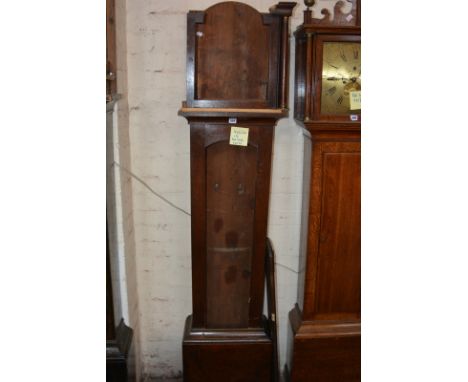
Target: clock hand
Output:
{"points": [[343, 78], [333, 78], [337, 79]]}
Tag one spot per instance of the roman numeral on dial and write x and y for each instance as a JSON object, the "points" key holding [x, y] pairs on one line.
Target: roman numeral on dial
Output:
{"points": [[343, 56], [331, 91]]}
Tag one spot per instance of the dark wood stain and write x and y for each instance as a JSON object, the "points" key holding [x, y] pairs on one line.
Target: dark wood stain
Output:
{"points": [[217, 304], [236, 65], [233, 57], [231, 239], [243, 73], [228, 362], [234, 168], [228, 356], [111, 60], [110, 320], [231, 275], [218, 225]]}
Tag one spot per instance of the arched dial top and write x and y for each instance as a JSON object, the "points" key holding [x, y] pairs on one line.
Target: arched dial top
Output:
{"points": [[341, 76]]}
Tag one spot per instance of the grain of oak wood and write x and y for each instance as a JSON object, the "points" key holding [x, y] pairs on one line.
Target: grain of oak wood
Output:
{"points": [[224, 199], [235, 69]]}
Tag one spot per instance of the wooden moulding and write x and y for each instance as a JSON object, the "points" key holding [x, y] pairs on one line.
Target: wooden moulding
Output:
{"points": [[231, 112], [315, 127], [284, 9], [321, 328], [353, 18], [237, 335]]}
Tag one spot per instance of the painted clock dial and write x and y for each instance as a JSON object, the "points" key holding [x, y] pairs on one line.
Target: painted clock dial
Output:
{"points": [[341, 75]]}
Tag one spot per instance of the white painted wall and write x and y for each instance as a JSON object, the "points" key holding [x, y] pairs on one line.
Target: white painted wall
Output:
{"points": [[151, 51]]}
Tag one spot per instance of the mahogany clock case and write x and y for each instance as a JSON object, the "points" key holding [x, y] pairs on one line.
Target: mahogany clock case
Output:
{"points": [[325, 324]]}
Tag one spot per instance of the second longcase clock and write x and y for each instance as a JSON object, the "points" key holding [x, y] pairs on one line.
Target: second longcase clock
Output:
{"points": [[326, 321]]}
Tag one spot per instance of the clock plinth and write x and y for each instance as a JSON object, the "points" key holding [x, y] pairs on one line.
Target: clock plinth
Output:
{"points": [[236, 92], [324, 350], [228, 355], [325, 324]]}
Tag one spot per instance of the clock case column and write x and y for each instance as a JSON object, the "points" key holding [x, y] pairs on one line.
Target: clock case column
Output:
{"points": [[324, 339]]}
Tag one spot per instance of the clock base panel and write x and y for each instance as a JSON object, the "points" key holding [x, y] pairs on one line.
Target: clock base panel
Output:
{"points": [[324, 350], [227, 355]]}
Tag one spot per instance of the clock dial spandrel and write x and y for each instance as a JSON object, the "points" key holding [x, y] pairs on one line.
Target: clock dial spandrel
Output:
{"points": [[341, 75]]}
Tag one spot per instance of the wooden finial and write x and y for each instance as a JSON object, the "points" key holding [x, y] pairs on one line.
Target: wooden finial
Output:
{"points": [[308, 12], [309, 3]]}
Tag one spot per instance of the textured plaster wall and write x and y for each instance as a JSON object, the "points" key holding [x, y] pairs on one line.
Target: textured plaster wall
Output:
{"points": [[125, 274], [155, 171]]}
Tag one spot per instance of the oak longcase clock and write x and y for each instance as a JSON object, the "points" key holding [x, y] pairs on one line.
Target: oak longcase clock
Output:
{"points": [[326, 321], [237, 66]]}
